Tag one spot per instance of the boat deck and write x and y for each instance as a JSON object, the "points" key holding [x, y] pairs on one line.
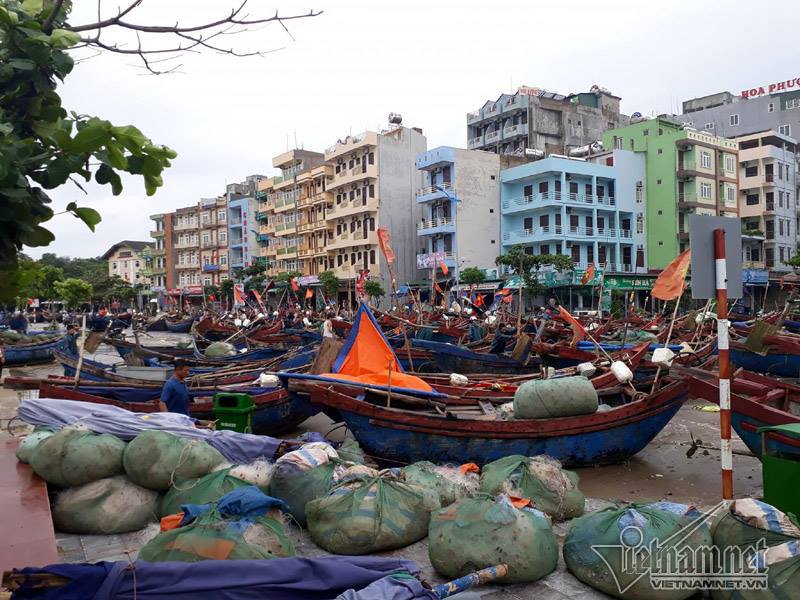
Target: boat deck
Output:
{"points": [[25, 521]]}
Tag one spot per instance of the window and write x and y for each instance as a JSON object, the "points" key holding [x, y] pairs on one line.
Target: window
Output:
{"points": [[527, 191], [660, 131], [544, 249], [730, 193], [780, 253], [639, 223], [618, 143], [658, 182], [527, 223], [734, 120], [223, 259], [223, 237], [786, 129], [730, 163], [137, 264], [771, 107], [751, 171], [639, 192], [113, 265], [705, 160], [206, 280], [631, 144], [660, 151], [705, 190], [221, 215], [206, 239], [708, 126], [793, 103]]}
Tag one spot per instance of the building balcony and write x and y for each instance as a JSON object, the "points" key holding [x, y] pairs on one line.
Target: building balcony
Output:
{"points": [[271, 250], [352, 142], [512, 131], [285, 203], [262, 215], [475, 142], [435, 192], [153, 272], [319, 225], [353, 207], [182, 245], [211, 268], [493, 137], [157, 233], [286, 252], [184, 266], [348, 239], [262, 238], [692, 201], [184, 227], [474, 117], [429, 260], [516, 102], [754, 264], [158, 251], [541, 200], [348, 176], [437, 225]]}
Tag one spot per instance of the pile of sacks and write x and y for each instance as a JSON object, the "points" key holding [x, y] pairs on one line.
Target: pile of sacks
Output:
{"points": [[108, 486]]}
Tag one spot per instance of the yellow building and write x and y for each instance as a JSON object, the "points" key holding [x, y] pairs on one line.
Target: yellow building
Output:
{"points": [[126, 260]]}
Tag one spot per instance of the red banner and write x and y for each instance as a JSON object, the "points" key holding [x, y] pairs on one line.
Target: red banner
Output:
{"points": [[384, 239]]}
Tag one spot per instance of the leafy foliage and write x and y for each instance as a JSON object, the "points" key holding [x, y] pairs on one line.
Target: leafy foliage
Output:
{"points": [[73, 292], [330, 283], [226, 289], [374, 289], [287, 276], [528, 266], [793, 262], [471, 276], [42, 146]]}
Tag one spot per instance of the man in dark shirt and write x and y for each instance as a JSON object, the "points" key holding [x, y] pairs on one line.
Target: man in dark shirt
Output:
{"points": [[175, 394], [72, 339]]}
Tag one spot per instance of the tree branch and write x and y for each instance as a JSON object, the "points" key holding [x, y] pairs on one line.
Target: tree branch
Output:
{"points": [[47, 26]]}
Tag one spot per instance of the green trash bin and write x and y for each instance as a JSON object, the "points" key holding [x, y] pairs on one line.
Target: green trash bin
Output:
{"points": [[234, 411], [780, 466]]}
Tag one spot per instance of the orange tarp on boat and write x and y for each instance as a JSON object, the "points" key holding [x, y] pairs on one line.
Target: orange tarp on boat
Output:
{"points": [[367, 357]]}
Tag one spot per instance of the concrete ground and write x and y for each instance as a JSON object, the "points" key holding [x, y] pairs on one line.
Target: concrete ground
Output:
{"points": [[660, 471]]}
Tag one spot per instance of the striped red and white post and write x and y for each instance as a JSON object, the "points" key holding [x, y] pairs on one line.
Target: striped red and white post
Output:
{"points": [[726, 454]]}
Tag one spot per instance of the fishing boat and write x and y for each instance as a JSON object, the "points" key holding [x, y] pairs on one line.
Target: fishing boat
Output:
{"points": [[459, 359], [772, 362], [179, 325], [158, 323], [756, 401], [37, 352]]}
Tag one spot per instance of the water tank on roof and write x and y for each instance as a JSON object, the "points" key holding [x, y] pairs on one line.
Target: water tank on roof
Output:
{"points": [[636, 117], [395, 118], [533, 153]]}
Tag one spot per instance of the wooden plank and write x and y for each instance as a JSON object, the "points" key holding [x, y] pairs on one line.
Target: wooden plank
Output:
{"points": [[487, 407]]}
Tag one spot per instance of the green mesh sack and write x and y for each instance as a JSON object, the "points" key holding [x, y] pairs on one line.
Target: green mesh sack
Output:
{"points": [[29, 443], [369, 514], [73, 457], [448, 482], [210, 537], [593, 549], [303, 475], [106, 506], [746, 523], [156, 459], [351, 452], [203, 490], [219, 350], [475, 533], [541, 479]]}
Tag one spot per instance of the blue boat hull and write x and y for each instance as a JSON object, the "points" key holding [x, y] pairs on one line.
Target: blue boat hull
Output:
{"points": [[782, 365], [33, 354], [584, 449], [180, 327], [746, 427]]}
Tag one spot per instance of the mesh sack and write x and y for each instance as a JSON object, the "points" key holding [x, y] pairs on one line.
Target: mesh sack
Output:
{"points": [[73, 457], [203, 490], [303, 475], [29, 443], [106, 506], [475, 533], [156, 459], [541, 479], [449, 483]]}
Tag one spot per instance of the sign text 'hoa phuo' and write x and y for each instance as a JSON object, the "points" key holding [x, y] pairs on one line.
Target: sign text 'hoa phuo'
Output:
{"points": [[780, 86]]}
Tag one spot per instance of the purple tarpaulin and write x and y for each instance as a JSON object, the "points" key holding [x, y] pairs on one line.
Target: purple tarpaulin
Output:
{"points": [[278, 579], [237, 448]]}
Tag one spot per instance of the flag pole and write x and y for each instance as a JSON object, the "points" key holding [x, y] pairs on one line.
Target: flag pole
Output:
{"points": [[669, 335], [726, 454]]}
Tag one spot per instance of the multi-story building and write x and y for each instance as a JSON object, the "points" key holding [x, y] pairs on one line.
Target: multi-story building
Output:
{"points": [[126, 260], [768, 201], [460, 201], [186, 242], [536, 119], [213, 236], [243, 247], [374, 185], [161, 261], [590, 211], [687, 171]]}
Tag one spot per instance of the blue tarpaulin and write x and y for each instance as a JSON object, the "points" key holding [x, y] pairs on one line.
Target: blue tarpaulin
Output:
{"points": [[277, 579]]}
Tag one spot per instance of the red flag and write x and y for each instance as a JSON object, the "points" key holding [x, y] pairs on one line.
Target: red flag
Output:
{"points": [[384, 239], [588, 275], [257, 296], [444, 268], [238, 294], [479, 300], [309, 294], [437, 288], [669, 284], [295, 287], [508, 299], [269, 285], [578, 332], [212, 298]]}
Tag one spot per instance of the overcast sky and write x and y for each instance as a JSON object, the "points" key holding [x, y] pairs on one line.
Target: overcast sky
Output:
{"points": [[432, 61]]}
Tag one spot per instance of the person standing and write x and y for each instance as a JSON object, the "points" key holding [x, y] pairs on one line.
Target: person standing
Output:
{"points": [[72, 339], [327, 326], [175, 394]]}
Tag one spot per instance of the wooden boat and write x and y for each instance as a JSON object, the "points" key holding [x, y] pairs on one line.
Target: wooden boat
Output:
{"points": [[756, 401], [275, 412], [449, 358], [180, 325], [156, 323], [40, 352], [774, 362], [399, 428]]}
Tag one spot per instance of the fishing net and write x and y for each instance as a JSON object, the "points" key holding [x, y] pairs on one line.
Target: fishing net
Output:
{"points": [[156, 459], [258, 472], [73, 457], [540, 479], [475, 533], [743, 527], [593, 549], [449, 482], [208, 488], [210, 537], [303, 475], [219, 350], [366, 513], [555, 397], [106, 506], [29, 443], [350, 451]]}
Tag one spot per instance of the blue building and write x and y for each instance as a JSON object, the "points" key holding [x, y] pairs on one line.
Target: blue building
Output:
{"points": [[242, 231], [590, 209]]}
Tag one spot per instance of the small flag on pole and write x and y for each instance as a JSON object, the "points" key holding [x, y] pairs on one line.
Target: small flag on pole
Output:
{"points": [[309, 294], [384, 240], [578, 332], [588, 275], [669, 284], [295, 287], [444, 268]]}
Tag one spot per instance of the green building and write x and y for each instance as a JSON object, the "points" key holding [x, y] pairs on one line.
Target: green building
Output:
{"points": [[687, 171]]}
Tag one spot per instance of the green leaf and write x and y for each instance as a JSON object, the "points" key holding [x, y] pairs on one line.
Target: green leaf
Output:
{"points": [[151, 167], [88, 215], [92, 137], [103, 174], [115, 156], [71, 207], [32, 7], [22, 64], [37, 236], [61, 38]]}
